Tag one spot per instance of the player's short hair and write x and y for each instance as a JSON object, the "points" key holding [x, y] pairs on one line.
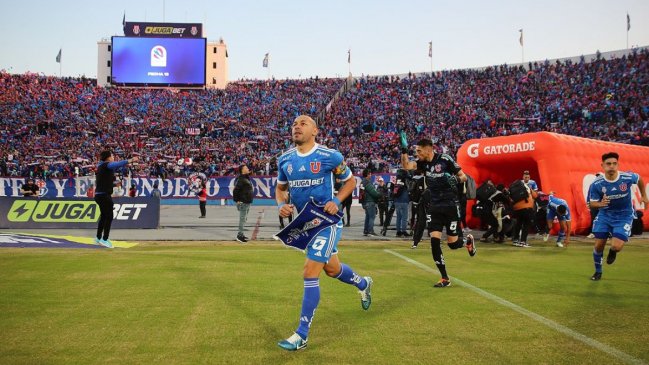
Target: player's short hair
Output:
{"points": [[241, 167], [425, 142], [366, 172], [608, 155], [561, 209], [307, 118], [526, 172], [105, 154]]}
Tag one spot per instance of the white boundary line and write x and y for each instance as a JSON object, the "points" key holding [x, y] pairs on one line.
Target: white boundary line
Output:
{"points": [[545, 321]]}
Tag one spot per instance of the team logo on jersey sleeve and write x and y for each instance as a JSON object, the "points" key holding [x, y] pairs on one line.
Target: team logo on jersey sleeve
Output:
{"points": [[623, 187], [315, 166], [340, 169]]}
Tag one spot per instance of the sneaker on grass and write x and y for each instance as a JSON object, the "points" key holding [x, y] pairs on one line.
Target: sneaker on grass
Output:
{"points": [[442, 283], [366, 294], [293, 343]]}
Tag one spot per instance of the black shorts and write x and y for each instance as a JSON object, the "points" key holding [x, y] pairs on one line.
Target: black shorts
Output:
{"points": [[445, 216]]}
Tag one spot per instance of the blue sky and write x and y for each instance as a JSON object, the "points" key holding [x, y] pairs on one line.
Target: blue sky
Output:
{"points": [[308, 38]]}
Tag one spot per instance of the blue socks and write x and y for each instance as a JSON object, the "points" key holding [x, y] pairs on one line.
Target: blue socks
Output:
{"points": [[597, 258], [347, 275], [312, 296], [309, 305]]}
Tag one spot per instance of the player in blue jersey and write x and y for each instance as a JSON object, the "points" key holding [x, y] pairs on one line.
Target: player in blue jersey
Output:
{"points": [[309, 171], [593, 211], [611, 194], [558, 208], [529, 182]]}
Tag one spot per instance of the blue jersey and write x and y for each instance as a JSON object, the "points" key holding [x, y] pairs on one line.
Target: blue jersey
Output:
{"points": [[555, 202], [590, 189], [312, 174], [532, 185], [619, 193]]}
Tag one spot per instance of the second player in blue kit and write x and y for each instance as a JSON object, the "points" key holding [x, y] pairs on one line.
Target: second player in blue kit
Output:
{"points": [[611, 194]]}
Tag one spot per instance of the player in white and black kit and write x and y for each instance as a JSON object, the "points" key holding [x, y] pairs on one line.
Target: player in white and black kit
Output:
{"points": [[441, 177]]}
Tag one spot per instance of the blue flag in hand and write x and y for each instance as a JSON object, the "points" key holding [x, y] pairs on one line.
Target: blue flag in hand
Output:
{"points": [[311, 220]]}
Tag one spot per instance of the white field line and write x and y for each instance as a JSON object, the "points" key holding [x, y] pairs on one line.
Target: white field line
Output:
{"points": [[545, 321]]}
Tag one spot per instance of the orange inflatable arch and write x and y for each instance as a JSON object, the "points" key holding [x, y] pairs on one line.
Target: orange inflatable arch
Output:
{"points": [[563, 164]]}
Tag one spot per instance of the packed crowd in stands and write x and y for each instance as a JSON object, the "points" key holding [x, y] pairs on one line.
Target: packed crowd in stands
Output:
{"points": [[605, 99], [55, 127], [51, 126]]}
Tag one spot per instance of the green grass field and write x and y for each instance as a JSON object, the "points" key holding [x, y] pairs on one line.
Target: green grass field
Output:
{"points": [[208, 303]]}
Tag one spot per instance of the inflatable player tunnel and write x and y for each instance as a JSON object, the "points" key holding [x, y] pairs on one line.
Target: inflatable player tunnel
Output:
{"points": [[563, 164]]}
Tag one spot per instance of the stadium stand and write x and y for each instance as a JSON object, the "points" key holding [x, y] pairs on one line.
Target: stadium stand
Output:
{"points": [[53, 126]]}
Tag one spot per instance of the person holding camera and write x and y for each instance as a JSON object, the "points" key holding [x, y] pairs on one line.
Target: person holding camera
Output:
{"points": [[494, 207]]}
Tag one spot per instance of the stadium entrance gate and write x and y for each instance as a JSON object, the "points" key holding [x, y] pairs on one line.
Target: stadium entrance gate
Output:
{"points": [[563, 164]]}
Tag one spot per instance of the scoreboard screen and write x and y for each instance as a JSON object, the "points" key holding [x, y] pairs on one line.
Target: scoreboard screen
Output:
{"points": [[158, 62]]}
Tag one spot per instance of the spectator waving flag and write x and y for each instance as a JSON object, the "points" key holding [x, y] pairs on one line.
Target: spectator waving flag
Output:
{"points": [[58, 56], [265, 62]]}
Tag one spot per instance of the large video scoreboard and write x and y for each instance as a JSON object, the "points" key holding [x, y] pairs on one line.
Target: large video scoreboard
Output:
{"points": [[159, 55], [158, 61]]}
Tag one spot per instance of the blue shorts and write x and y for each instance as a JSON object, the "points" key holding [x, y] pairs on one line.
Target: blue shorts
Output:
{"points": [[325, 244], [618, 227], [553, 213]]}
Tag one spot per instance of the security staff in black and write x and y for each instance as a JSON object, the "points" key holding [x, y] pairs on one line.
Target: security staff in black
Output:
{"points": [[105, 176], [440, 200]]}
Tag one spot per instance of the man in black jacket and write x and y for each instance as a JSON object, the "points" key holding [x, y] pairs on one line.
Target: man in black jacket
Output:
{"points": [[242, 196], [493, 215], [105, 177], [30, 189]]}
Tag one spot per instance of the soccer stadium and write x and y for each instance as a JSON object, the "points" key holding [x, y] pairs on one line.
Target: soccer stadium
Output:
{"points": [[328, 198]]}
